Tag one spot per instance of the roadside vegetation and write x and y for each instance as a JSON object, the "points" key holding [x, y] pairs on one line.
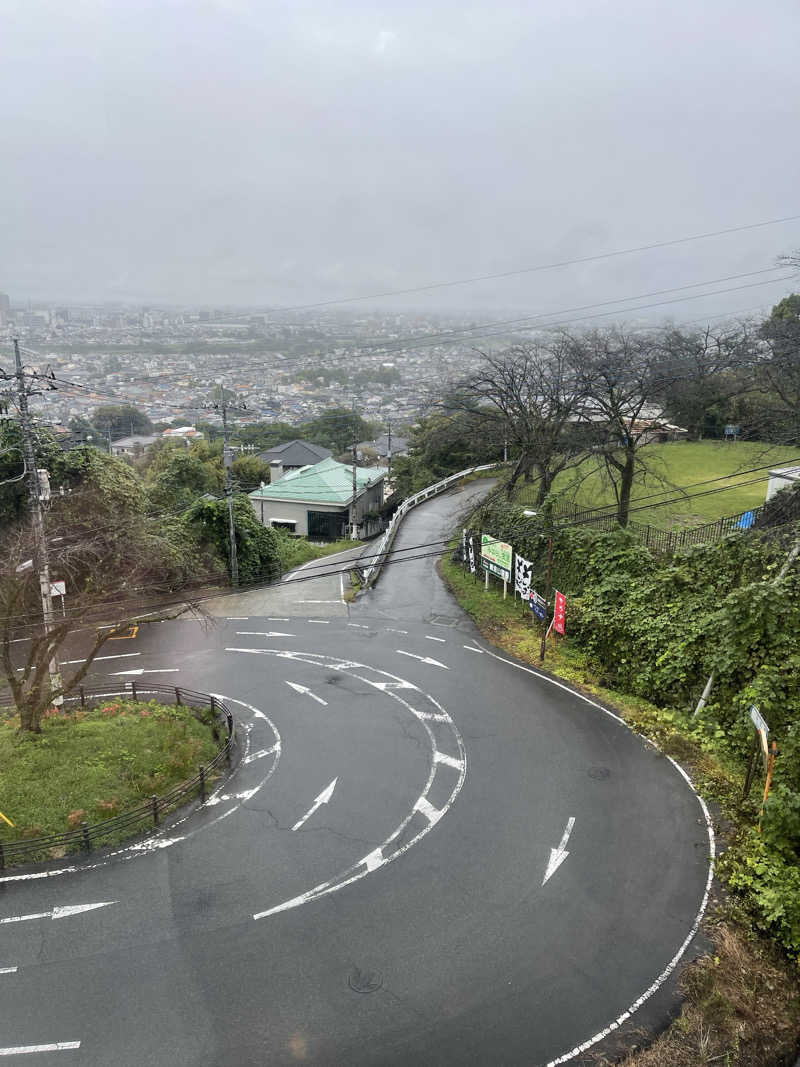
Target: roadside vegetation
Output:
{"points": [[644, 633], [294, 551], [90, 764]]}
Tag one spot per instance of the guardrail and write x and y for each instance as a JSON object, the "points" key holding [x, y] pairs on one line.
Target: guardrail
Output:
{"points": [[379, 557], [85, 837]]}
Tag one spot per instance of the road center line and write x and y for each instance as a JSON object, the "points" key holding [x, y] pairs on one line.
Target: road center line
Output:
{"points": [[23, 1050]]}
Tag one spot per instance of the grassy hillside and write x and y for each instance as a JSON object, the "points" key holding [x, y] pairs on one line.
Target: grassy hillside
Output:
{"points": [[679, 464]]}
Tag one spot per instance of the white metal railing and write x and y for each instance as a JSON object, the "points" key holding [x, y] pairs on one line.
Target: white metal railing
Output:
{"points": [[382, 552]]}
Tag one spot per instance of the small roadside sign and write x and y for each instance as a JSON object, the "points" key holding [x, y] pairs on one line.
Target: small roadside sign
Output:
{"points": [[559, 613], [758, 719], [58, 589], [538, 605]]}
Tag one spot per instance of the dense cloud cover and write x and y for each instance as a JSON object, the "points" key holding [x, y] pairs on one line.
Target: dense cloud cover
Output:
{"points": [[252, 152]]}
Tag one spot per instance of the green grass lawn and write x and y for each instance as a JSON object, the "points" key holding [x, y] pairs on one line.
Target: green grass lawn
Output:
{"points": [[92, 764], [295, 551], [679, 464]]}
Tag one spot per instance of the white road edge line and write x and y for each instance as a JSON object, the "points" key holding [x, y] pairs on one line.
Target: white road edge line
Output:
{"points": [[673, 963], [23, 1050]]}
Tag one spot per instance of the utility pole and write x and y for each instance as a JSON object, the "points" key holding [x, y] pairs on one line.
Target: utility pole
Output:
{"points": [[389, 445], [41, 557], [227, 459], [545, 628], [355, 475]]}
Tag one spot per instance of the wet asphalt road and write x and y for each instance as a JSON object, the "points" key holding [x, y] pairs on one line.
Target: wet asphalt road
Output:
{"points": [[400, 919]]}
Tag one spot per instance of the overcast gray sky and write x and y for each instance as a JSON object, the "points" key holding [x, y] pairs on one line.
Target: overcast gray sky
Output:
{"points": [[229, 151]]}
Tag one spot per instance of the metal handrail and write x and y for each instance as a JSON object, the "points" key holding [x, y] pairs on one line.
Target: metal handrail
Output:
{"points": [[83, 838]]}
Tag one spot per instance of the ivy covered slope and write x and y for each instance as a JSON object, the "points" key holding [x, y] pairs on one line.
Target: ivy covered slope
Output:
{"points": [[656, 627]]}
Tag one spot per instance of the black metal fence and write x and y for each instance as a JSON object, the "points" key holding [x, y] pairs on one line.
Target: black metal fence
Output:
{"points": [[148, 814], [665, 541]]}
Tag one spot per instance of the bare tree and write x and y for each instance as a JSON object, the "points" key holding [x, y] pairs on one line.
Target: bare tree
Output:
{"points": [[624, 383], [116, 574], [531, 390]]}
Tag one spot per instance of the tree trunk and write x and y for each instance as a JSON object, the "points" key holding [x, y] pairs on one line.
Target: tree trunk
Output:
{"points": [[545, 485], [625, 486], [519, 467]]}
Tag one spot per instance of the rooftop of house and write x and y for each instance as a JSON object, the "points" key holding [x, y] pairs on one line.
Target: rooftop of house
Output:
{"points": [[327, 482], [295, 453]]}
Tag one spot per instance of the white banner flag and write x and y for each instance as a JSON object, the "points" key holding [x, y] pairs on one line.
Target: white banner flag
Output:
{"points": [[471, 553], [522, 577]]}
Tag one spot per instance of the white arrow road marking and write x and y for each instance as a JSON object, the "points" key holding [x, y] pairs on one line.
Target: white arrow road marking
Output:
{"points": [[558, 855], [323, 798], [262, 633], [244, 795], [260, 755], [307, 692], [470, 648], [58, 913], [141, 670], [8, 970], [23, 1050], [423, 659]]}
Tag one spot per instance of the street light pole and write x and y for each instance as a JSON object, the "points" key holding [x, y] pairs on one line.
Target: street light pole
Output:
{"points": [[41, 556]]}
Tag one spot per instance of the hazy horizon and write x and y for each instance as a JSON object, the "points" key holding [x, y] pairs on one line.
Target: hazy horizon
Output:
{"points": [[235, 154]]}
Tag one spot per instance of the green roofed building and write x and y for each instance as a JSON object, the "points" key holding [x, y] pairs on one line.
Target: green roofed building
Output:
{"points": [[317, 500]]}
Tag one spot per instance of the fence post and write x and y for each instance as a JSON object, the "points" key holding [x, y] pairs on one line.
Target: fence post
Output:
{"points": [[87, 840], [213, 705], [202, 785], [133, 689], [177, 695], [154, 806], [83, 696]]}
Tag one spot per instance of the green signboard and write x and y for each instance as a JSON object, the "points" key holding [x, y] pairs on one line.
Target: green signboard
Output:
{"points": [[496, 557]]}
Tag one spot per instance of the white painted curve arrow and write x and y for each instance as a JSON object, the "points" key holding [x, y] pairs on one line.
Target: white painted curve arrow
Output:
{"points": [[423, 659], [59, 912], [558, 855], [307, 692], [323, 798]]}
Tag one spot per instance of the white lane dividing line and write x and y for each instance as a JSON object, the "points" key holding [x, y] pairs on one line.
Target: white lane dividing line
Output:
{"points": [[323, 798], [58, 912], [424, 807], [24, 1050], [237, 618], [263, 633], [558, 855], [307, 692], [276, 620], [117, 655], [391, 630], [320, 622], [142, 670], [423, 659], [318, 602], [358, 626], [8, 970], [441, 640], [448, 761], [259, 755]]}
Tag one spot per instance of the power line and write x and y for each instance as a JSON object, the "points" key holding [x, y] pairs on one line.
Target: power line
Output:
{"points": [[539, 267]]}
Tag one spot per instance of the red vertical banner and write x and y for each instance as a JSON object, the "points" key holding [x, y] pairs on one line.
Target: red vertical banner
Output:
{"points": [[559, 613]]}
